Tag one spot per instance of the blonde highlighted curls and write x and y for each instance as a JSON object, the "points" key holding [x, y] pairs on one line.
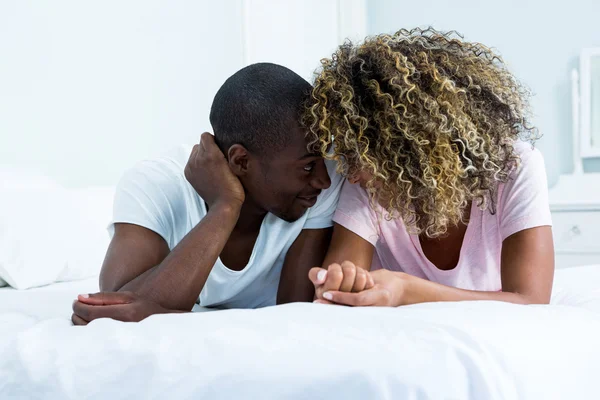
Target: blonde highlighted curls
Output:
{"points": [[433, 118]]}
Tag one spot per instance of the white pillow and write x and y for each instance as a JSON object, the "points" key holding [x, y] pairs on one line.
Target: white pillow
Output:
{"points": [[3, 282], [18, 178], [89, 216], [32, 235], [49, 233]]}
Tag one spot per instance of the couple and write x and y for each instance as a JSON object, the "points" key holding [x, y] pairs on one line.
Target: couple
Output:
{"points": [[437, 195]]}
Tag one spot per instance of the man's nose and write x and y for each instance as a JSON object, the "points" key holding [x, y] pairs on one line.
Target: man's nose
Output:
{"points": [[321, 178]]}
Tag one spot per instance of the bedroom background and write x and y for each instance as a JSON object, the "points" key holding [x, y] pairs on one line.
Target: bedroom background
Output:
{"points": [[88, 88]]}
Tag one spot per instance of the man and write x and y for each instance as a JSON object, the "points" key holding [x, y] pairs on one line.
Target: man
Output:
{"points": [[236, 224]]}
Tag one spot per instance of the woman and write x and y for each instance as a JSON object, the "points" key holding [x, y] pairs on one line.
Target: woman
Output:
{"points": [[445, 199]]}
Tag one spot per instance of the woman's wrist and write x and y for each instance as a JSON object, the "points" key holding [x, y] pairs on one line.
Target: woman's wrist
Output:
{"points": [[398, 289], [402, 289]]}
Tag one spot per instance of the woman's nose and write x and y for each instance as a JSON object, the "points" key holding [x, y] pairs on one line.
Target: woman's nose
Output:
{"points": [[353, 179]]}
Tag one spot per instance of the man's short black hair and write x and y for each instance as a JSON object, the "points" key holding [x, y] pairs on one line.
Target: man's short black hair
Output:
{"points": [[256, 106]]}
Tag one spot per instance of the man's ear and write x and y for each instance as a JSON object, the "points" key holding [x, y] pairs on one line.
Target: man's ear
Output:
{"points": [[238, 157]]}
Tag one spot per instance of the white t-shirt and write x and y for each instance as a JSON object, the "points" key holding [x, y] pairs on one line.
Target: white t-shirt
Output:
{"points": [[156, 195]]}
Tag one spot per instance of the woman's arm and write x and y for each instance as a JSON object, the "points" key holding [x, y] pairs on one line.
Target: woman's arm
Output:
{"points": [[346, 250], [527, 273], [348, 246]]}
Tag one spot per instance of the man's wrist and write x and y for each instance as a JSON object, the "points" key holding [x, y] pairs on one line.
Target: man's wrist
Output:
{"points": [[227, 208]]}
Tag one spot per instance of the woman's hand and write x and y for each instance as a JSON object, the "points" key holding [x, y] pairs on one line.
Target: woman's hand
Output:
{"points": [[345, 277], [388, 290]]}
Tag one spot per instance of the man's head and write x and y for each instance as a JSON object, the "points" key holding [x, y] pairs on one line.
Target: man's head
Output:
{"points": [[255, 118]]}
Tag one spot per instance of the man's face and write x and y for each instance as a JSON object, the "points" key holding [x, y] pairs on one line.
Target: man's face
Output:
{"points": [[287, 183]]}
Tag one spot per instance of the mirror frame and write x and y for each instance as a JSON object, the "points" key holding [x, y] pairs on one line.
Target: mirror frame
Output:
{"points": [[585, 73]]}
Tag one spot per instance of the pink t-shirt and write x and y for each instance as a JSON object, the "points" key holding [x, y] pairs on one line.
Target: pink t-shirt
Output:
{"points": [[522, 204]]}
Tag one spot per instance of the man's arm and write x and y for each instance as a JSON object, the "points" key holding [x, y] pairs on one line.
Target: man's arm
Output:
{"points": [[307, 251], [138, 260]]}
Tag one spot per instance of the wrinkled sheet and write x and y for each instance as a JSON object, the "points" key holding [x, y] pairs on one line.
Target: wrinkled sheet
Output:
{"points": [[469, 350]]}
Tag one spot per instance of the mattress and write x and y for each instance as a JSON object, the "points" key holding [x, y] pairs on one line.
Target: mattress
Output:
{"points": [[468, 350]]}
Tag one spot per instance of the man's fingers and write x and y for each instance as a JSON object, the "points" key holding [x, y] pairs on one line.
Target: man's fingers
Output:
{"points": [[349, 275], [106, 298], [77, 320], [207, 143], [317, 275], [204, 138], [121, 312]]}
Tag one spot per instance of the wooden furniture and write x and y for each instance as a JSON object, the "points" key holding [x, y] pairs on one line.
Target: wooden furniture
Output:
{"points": [[575, 199]]}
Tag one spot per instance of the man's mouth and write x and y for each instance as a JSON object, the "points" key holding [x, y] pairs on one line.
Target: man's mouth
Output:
{"points": [[309, 201]]}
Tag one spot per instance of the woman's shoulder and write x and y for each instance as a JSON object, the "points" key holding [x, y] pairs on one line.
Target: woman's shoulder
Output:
{"points": [[527, 152]]}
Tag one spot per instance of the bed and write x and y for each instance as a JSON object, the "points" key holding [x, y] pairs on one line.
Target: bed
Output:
{"points": [[476, 350]]}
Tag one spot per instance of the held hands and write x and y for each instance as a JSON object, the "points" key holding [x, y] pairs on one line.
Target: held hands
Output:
{"points": [[208, 172], [347, 284]]}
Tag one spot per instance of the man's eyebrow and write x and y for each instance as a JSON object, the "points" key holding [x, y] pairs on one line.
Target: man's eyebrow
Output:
{"points": [[309, 155]]}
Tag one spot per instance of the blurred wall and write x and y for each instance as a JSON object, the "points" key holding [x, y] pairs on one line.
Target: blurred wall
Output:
{"points": [[540, 41]]}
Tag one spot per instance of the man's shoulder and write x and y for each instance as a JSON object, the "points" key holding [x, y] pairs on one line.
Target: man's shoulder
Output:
{"points": [[158, 177], [170, 162], [165, 170]]}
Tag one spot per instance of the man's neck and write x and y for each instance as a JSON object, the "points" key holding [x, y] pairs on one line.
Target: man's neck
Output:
{"points": [[251, 217]]}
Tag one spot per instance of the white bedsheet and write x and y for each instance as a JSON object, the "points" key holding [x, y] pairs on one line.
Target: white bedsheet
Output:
{"points": [[476, 350]]}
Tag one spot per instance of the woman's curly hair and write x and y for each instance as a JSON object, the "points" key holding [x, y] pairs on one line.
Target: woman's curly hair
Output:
{"points": [[433, 118]]}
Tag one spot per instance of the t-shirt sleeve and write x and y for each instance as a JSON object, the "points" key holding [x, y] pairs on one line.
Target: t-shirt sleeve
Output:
{"points": [[148, 195], [523, 201], [321, 214], [355, 213]]}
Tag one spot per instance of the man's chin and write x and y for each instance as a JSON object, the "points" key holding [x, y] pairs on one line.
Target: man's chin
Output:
{"points": [[291, 216]]}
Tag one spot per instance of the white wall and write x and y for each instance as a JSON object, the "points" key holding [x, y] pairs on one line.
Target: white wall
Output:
{"points": [[540, 40], [87, 88], [299, 33]]}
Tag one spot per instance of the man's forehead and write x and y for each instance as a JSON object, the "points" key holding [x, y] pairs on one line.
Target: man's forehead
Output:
{"points": [[297, 146]]}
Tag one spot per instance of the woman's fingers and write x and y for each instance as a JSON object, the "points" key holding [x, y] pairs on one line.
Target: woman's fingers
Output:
{"points": [[370, 281], [321, 301], [317, 275], [371, 297], [334, 277], [344, 277], [360, 282], [349, 276]]}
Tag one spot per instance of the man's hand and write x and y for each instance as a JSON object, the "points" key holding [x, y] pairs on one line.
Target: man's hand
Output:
{"points": [[122, 306], [346, 277], [209, 174]]}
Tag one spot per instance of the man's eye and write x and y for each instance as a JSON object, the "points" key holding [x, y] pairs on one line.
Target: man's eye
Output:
{"points": [[309, 167]]}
